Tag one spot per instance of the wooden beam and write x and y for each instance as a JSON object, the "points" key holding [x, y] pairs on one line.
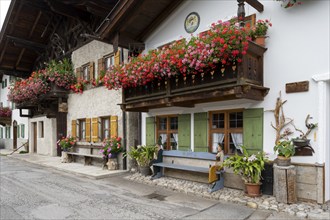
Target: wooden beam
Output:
{"points": [[18, 73], [26, 43], [256, 4], [68, 11]]}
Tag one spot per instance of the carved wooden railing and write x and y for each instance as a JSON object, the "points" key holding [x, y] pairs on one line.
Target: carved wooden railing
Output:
{"points": [[244, 76]]}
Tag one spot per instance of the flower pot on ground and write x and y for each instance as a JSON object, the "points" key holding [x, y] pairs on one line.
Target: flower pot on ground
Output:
{"points": [[249, 166], [111, 148], [285, 150], [143, 156]]}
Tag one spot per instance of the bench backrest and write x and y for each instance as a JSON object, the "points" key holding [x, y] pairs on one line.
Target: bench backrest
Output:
{"points": [[201, 159]]}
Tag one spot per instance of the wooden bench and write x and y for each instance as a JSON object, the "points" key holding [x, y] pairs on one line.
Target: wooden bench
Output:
{"points": [[199, 162], [87, 154]]}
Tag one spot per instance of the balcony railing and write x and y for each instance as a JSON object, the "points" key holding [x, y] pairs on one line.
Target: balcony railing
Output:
{"points": [[244, 80]]}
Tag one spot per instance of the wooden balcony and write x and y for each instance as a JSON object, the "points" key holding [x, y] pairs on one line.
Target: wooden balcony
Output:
{"points": [[46, 104], [5, 120], [244, 81]]}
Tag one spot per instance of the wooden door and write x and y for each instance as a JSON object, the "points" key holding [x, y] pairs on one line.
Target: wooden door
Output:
{"points": [[61, 128], [15, 136], [35, 135]]}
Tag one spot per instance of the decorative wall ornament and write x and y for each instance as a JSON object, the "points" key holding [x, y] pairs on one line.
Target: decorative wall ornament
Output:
{"points": [[191, 22]]}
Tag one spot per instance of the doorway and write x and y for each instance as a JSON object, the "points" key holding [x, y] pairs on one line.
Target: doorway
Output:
{"points": [[15, 135], [34, 138]]}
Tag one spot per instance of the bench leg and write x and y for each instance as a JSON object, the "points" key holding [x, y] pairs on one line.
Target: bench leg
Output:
{"points": [[88, 161], [219, 184]]}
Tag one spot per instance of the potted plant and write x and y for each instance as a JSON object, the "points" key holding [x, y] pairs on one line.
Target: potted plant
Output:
{"points": [[111, 148], [258, 33], [285, 149], [249, 167], [143, 156], [66, 144], [302, 140]]}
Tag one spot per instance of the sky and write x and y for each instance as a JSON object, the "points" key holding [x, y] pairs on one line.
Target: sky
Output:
{"points": [[4, 4]]}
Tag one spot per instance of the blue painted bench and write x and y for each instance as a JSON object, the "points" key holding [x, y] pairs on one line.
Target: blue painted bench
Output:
{"points": [[199, 162]]}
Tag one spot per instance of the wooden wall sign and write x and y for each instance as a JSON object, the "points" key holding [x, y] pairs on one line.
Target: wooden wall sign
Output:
{"points": [[302, 86]]}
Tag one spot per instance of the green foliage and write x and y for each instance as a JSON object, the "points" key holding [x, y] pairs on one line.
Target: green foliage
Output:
{"points": [[23, 152], [66, 143], [142, 154], [285, 148], [246, 165]]}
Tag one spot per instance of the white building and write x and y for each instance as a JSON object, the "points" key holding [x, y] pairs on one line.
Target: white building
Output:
{"points": [[15, 134]]}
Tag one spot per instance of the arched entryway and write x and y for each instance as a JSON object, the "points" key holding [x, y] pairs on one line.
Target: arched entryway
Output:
{"points": [[14, 134]]}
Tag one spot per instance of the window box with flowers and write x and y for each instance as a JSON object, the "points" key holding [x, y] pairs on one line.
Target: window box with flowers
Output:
{"points": [[111, 148], [249, 166], [5, 116]]}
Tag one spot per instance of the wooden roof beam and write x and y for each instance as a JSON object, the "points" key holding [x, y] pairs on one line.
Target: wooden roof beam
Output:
{"points": [[26, 43], [256, 5], [18, 73], [68, 11]]}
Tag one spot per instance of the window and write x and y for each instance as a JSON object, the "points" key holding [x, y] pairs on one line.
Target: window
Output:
{"points": [[1, 132], [85, 72], [18, 131], [109, 61], [226, 128], [22, 131], [81, 129], [167, 132], [7, 135], [41, 129], [105, 128]]}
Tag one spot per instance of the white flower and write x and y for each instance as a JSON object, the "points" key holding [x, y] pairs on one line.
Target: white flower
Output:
{"points": [[252, 158]]}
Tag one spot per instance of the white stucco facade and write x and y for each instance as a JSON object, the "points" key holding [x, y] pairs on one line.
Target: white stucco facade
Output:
{"points": [[21, 122]]}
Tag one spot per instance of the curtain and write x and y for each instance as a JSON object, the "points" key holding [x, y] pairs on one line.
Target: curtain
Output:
{"points": [[163, 140], [174, 141], [217, 138], [238, 140]]}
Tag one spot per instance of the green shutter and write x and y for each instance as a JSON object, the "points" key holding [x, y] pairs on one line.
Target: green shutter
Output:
{"points": [[253, 129], [150, 131], [184, 132], [1, 132], [200, 132], [22, 131]]}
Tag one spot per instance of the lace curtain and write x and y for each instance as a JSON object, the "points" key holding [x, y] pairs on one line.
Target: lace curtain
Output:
{"points": [[238, 140], [217, 138]]}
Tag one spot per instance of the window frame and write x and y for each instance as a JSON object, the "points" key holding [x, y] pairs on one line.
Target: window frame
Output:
{"points": [[168, 130], [226, 130], [81, 132], [102, 130]]}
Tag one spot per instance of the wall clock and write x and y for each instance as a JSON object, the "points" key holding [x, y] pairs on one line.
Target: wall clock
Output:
{"points": [[192, 22]]}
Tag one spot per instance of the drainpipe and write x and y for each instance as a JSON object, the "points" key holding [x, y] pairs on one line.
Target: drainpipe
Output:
{"points": [[124, 139], [139, 129]]}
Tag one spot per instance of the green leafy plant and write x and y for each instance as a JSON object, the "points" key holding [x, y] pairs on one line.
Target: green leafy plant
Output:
{"points": [[246, 165], [66, 143], [284, 148], [142, 154], [261, 28]]}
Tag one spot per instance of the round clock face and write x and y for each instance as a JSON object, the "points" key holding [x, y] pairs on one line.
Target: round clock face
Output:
{"points": [[192, 22]]}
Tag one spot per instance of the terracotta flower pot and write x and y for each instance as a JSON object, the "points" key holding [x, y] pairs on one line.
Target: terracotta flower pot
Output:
{"points": [[260, 41], [253, 189], [283, 161]]}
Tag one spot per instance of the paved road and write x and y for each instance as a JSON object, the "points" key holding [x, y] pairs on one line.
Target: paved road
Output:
{"points": [[29, 191]]}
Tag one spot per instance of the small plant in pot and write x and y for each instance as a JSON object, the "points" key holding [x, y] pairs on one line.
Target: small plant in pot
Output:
{"points": [[285, 150], [302, 140], [66, 144], [143, 156], [249, 166]]}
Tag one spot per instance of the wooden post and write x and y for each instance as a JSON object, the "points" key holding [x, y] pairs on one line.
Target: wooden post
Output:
{"points": [[285, 184]]}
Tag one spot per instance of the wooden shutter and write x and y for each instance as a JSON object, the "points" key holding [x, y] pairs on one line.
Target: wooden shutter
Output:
{"points": [[91, 71], [74, 128], [95, 129], [114, 126], [88, 129], [184, 132], [100, 65], [253, 129], [150, 131], [117, 58], [79, 72], [18, 131], [200, 132]]}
